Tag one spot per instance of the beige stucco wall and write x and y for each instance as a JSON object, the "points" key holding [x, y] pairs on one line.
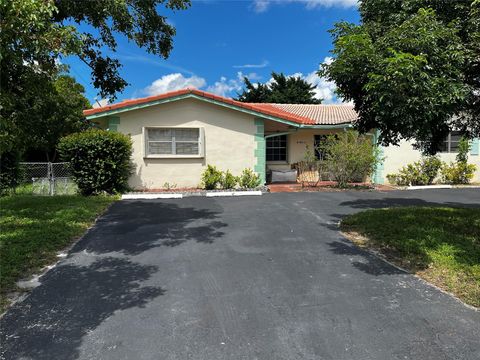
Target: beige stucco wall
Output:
{"points": [[398, 156], [228, 144]]}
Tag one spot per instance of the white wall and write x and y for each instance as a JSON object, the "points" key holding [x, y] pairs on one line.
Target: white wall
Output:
{"points": [[398, 156]]}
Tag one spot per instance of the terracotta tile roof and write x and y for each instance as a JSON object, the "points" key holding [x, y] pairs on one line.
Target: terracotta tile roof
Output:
{"points": [[329, 114], [297, 113]]}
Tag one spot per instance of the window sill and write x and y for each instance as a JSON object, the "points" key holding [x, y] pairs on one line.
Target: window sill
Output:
{"points": [[277, 162], [173, 157]]}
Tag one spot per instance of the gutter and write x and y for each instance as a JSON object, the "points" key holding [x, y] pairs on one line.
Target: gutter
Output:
{"points": [[306, 126]]}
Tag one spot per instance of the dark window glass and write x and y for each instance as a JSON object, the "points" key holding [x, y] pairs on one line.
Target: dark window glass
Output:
{"points": [[450, 143], [455, 137], [276, 148], [318, 139], [319, 154], [444, 146]]}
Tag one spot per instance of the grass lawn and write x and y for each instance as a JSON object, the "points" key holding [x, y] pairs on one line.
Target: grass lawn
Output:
{"points": [[35, 228], [440, 244]]}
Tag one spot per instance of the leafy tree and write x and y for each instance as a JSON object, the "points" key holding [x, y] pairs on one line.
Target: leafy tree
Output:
{"points": [[411, 68], [281, 90], [35, 34], [255, 93], [55, 113]]}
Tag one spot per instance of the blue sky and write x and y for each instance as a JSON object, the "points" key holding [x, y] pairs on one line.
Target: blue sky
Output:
{"points": [[220, 41]]}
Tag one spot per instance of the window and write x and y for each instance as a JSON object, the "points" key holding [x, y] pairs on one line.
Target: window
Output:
{"points": [[318, 139], [173, 142], [276, 148], [450, 144], [319, 153]]}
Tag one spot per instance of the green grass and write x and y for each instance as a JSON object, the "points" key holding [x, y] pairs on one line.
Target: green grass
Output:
{"points": [[35, 228], [440, 244]]}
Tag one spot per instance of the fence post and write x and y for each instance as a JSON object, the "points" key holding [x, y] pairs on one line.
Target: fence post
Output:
{"points": [[50, 179]]}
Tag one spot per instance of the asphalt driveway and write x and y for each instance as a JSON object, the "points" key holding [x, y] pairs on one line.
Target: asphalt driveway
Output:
{"points": [[265, 277]]}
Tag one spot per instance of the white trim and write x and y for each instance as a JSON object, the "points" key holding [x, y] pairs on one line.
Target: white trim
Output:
{"points": [[158, 156], [425, 187], [151, 196], [219, 193], [233, 193], [247, 193]]}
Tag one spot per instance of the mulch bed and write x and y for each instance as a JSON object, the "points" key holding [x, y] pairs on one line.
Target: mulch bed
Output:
{"points": [[325, 186]]}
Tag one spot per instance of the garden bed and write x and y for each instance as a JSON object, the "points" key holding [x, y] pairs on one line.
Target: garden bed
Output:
{"points": [[326, 186]]}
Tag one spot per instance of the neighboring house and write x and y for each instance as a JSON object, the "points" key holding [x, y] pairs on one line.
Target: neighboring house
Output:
{"points": [[175, 135]]}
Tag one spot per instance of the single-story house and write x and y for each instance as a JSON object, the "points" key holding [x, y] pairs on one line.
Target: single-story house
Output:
{"points": [[175, 135]]}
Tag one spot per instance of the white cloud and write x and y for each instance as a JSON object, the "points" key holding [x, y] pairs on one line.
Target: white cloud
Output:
{"points": [[225, 86], [324, 89], [263, 64], [172, 82], [263, 5], [177, 81], [229, 86]]}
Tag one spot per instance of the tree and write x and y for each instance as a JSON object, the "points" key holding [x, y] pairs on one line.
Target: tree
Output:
{"points": [[411, 68], [255, 93], [281, 90], [56, 113], [36, 34]]}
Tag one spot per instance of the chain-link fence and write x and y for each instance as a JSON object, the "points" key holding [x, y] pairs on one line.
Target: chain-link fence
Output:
{"points": [[46, 178]]}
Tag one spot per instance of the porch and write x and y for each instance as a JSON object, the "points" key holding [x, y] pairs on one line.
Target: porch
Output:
{"points": [[286, 147]]}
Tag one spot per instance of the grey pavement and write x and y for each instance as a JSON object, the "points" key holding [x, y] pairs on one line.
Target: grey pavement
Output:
{"points": [[265, 277]]}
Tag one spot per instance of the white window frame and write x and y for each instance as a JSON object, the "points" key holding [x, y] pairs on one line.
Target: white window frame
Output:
{"points": [[201, 143]]}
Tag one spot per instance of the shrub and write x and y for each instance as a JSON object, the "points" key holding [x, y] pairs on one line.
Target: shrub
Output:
{"points": [[411, 174], [458, 173], [349, 156], [169, 186], [99, 160], [463, 150], [211, 178], [9, 171], [421, 172], [248, 179], [228, 181], [431, 165]]}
